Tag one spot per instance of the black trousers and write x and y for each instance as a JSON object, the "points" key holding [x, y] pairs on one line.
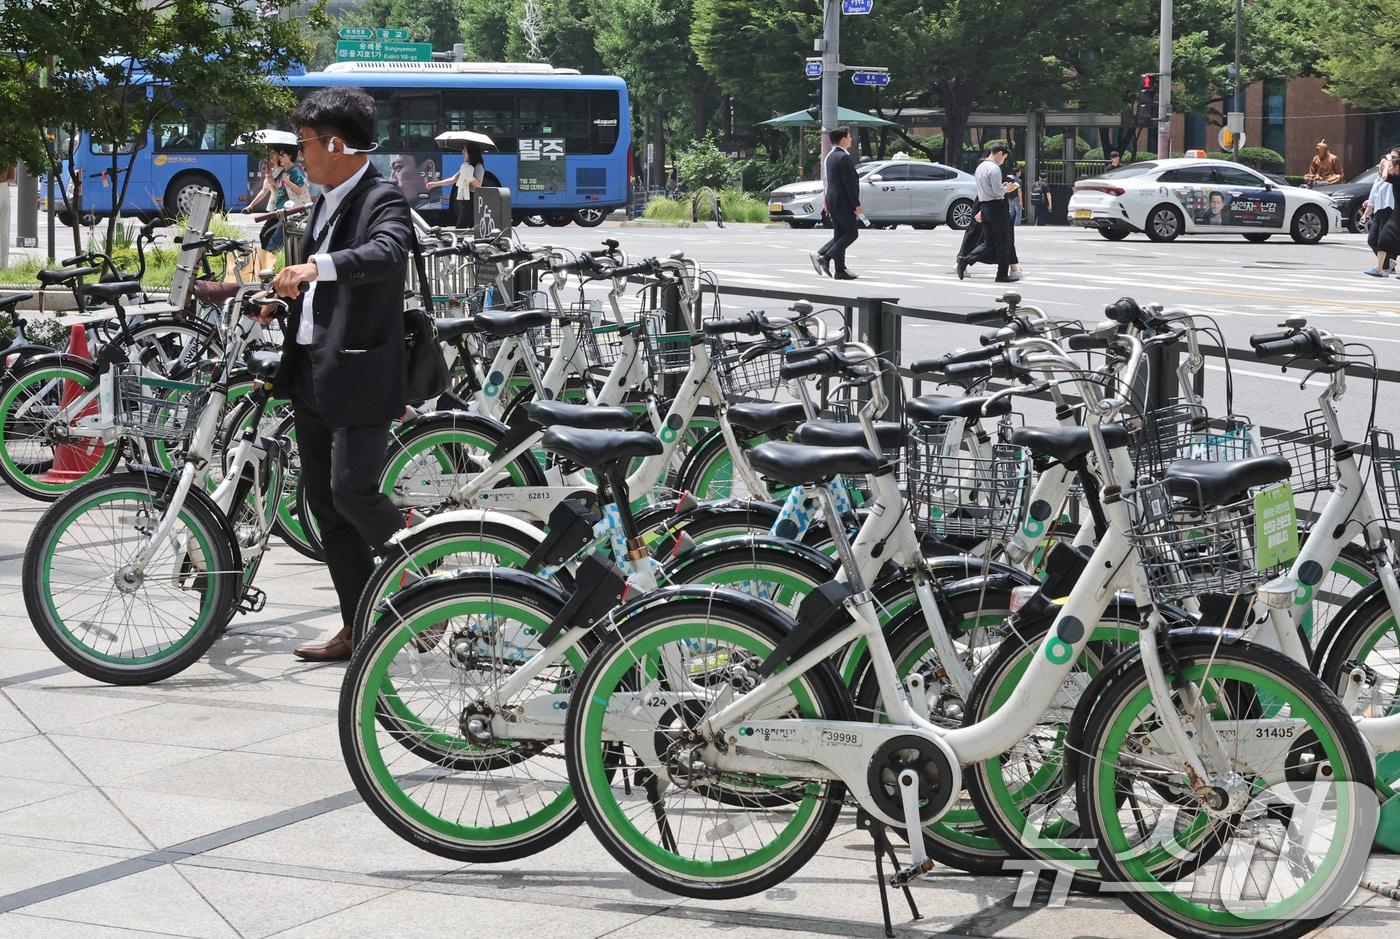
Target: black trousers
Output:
{"points": [[997, 244], [1373, 229], [340, 469], [845, 230]]}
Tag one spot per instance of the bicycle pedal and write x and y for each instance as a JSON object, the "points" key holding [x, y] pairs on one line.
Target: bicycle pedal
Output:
{"points": [[910, 874], [252, 601], [1370, 676]]}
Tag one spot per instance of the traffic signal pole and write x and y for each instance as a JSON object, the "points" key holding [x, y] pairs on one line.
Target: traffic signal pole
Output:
{"points": [[1164, 86], [831, 73]]}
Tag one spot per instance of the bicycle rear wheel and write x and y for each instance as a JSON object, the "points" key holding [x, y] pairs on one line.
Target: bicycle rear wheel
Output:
{"points": [[102, 617], [722, 836], [30, 460]]}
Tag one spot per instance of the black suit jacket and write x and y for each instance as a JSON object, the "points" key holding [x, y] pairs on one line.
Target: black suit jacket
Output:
{"points": [[842, 184], [356, 357]]}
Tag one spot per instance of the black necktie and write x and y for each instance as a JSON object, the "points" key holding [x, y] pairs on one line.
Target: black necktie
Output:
{"points": [[313, 241]]}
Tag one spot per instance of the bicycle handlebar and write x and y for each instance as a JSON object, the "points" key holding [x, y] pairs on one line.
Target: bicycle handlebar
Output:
{"points": [[750, 324], [1299, 344]]}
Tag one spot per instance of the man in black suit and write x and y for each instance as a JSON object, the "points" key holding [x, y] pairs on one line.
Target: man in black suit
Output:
{"points": [[343, 361], [842, 206]]}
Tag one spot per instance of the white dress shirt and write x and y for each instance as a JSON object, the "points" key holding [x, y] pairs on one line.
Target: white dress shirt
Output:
{"points": [[325, 267]]}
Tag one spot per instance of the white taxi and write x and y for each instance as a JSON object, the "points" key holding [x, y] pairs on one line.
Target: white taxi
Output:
{"points": [[1165, 199]]}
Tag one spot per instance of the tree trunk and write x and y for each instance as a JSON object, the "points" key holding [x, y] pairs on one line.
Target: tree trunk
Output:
{"points": [[658, 142], [954, 130], [700, 112]]}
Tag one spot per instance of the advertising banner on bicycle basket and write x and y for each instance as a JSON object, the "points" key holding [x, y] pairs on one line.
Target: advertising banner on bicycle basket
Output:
{"points": [[1275, 527], [541, 166]]}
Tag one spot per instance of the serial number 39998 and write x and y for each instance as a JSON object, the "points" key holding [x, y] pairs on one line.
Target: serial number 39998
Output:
{"points": [[840, 738]]}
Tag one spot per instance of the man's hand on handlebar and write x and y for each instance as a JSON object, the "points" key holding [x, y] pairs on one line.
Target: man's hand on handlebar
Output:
{"points": [[288, 281]]}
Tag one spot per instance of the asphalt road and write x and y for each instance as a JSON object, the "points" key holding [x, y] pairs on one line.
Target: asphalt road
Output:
{"points": [[1245, 287]]}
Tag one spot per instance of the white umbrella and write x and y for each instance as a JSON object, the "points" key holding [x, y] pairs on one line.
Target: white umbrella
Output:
{"points": [[267, 137], [457, 139]]}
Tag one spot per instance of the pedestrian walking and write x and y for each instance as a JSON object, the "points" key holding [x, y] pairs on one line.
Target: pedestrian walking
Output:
{"points": [[465, 182], [842, 207], [1014, 196], [996, 242], [1041, 199], [343, 359], [1378, 211]]}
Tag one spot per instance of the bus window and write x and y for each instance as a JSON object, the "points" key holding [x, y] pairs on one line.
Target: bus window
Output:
{"points": [[605, 121], [416, 119], [181, 128], [104, 148], [490, 112], [554, 114]]}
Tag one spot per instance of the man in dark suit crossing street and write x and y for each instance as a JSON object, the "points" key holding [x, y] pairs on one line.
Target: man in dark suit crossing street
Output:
{"points": [[343, 360], [842, 206]]}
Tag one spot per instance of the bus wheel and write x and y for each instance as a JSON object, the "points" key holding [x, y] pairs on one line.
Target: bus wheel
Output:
{"points": [[534, 221], [179, 197], [590, 217]]}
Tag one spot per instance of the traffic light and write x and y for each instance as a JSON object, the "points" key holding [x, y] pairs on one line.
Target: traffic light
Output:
{"points": [[1146, 110], [814, 110]]}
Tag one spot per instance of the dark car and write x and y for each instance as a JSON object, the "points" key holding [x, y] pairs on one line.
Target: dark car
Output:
{"points": [[1348, 197]]}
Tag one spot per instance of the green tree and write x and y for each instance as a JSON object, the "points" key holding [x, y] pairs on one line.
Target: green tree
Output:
{"points": [[1361, 52], [649, 43], [115, 68], [555, 31]]}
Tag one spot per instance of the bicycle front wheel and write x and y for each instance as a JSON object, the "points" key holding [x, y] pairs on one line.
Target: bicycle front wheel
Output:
{"points": [[415, 682], [107, 616], [1274, 840], [631, 721]]}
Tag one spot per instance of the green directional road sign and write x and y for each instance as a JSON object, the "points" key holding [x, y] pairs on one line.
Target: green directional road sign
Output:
{"points": [[392, 34], [373, 50], [357, 32]]}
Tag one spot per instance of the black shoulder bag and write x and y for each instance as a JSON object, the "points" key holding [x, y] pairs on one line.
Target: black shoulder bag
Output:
{"points": [[427, 368]]}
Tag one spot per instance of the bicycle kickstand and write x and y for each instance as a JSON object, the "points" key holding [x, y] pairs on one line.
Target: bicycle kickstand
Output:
{"points": [[865, 822]]}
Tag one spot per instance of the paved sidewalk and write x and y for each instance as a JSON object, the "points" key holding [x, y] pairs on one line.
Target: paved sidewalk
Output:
{"points": [[216, 805]]}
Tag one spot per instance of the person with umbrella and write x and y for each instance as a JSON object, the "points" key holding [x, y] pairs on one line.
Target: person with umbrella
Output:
{"points": [[469, 177]]}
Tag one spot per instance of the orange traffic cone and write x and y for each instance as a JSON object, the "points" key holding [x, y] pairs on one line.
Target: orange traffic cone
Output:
{"points": [[73, 461]]}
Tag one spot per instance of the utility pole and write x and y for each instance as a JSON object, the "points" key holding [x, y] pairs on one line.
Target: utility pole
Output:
{"points": [[1164, 88], [830, 48]]}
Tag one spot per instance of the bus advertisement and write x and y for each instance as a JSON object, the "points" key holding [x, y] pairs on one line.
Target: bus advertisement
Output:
{"points": [[562, 141]]}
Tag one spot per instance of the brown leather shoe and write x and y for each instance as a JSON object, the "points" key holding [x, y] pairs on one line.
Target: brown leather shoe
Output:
{"points": [[335, 649]]}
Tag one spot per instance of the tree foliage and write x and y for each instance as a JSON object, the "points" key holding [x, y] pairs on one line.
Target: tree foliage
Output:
{"points": [[1361, 53], [108, 67]]}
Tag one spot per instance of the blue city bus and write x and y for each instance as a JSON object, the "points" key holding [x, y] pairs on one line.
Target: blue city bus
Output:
{"points": [[563, 141]]}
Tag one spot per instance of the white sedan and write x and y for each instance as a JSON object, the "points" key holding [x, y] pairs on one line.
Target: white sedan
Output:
{"points": [[892, 192], [1168, 198]]}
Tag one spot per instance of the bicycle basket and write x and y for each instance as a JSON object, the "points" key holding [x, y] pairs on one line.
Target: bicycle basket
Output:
{"points": [[752, 368], [1188, 550], [1309, 451], [953, 490], [668, 353], [152, 406], [1182, 431], [602, 340], [1385, 468]]}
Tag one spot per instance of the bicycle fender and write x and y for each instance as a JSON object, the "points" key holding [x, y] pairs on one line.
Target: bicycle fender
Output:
{"points": [[57, 358], [454, 419], [668, 532], [464, 581], [739, 542], [475, 516]]}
